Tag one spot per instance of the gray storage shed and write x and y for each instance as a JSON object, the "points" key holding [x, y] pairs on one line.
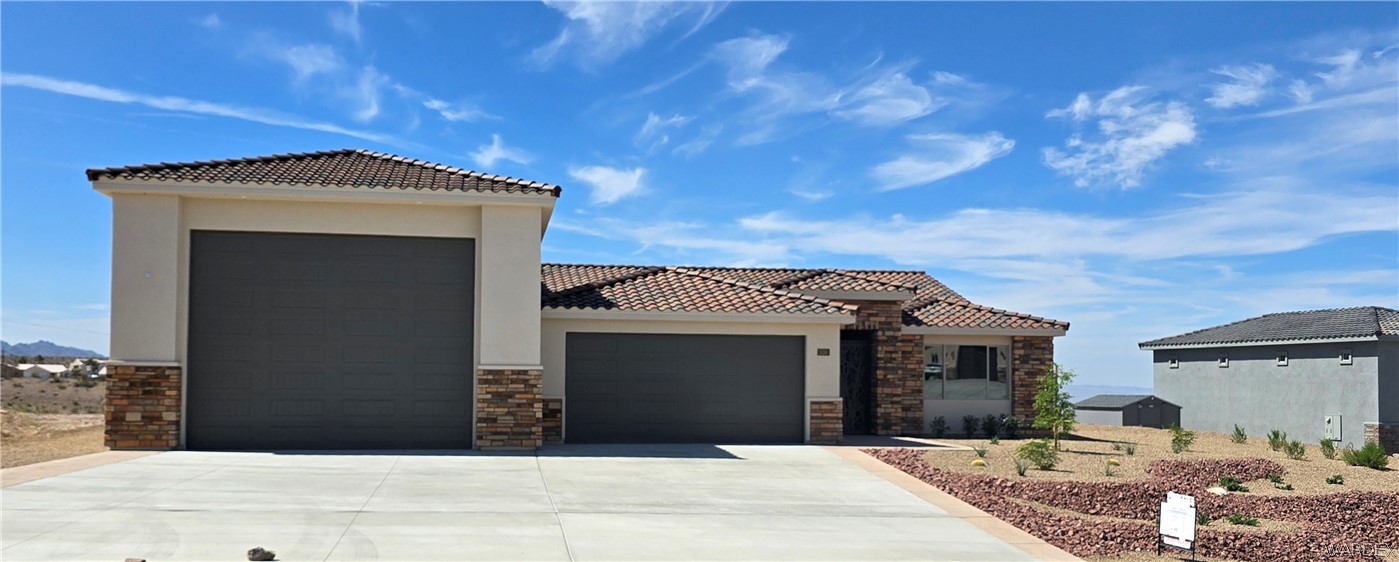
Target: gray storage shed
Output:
{"points": [[1142, 410]]}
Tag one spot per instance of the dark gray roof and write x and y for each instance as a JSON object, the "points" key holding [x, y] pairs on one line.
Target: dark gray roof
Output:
{"points": [[1330, 324], [1113, 401]]}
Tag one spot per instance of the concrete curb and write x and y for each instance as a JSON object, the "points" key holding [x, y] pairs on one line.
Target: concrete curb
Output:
{"points": [[29, 472], [1031, 544]]}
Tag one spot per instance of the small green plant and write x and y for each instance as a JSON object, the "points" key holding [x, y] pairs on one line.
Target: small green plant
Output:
{"points": [[1202, 518], [1239, 436], [1294, 450], [938, 426], [1232, 484], [995, 440], [1287, 487], [1130, 448], [969, 424], [1021, 465], [1276, 439], [1108, 470], [1372, 455], [990, 426], [1054, 408], [1181, 439], [19, 385], [1237, 519], [1117, 445], [1011, 427], [1336, 479], [1040, 452], [980, 452], [1328, 448]]}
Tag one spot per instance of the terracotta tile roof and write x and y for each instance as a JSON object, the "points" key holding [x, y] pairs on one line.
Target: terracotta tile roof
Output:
{"points": [[356, 168], [1334, 323], [710, 289], [941, 313], [678, 289]]}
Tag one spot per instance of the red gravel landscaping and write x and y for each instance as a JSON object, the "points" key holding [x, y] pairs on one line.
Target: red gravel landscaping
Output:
{"points": [[1339, 526]]}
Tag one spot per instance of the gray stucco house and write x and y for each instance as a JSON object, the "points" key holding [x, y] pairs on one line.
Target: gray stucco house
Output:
{"points": [[1317, 373]]}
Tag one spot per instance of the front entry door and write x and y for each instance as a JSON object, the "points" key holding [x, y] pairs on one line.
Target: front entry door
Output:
{"points": [[856, 380]]}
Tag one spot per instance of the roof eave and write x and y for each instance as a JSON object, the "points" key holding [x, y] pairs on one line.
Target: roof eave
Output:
{"points": [[949, 331], [1261, 343], [320, 192], [695, 316]]}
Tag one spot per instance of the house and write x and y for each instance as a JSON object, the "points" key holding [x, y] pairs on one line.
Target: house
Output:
{"points": [[41, 370], [1141, 410], [1314, 374], [352, 299]]}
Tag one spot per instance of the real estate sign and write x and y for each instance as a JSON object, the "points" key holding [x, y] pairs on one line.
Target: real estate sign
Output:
{"points": [[1178, 521]]}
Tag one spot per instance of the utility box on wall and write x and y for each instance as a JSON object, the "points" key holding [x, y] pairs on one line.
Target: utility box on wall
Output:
{"points": [[1333, 427]]}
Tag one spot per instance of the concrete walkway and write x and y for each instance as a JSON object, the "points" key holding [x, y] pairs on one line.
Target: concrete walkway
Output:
{"points": [[572, 502]]}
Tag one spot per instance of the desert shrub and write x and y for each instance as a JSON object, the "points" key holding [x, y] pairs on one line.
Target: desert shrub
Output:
{"points": [[969, 424], [1295, 450], [995, 440], [990, 425], [19, 385], [1011, 427], [1275, 478], [1040, 452], [939, 426], [1336, 479], [1232, 484], [1372, 455], [1239, 436], [1130, 448], [1328, 449], [1108, 470], [1243, 520], [1276, 439], [1021, 465], [1202, 518], [980, 452], [1117, 445], [1280, 486], [1181, 439]]}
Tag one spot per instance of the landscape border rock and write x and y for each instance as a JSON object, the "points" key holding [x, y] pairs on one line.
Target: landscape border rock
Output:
{"points": [[1344, 525]]}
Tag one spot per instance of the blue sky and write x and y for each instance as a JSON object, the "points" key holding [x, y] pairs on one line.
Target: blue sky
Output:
{"points": [[1136, 169]]}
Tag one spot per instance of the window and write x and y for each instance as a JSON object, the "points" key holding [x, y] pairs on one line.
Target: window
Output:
{"points": [[1224, 360], [1174, 362], [1346, 358], [966, 372], [1282, 358]]}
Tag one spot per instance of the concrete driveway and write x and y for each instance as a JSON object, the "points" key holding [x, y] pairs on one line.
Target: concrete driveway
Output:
{"points": [[570, 502]]}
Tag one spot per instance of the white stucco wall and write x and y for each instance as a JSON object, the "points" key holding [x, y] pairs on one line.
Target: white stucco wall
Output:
{"points": [[822, 371], [952, 411]]}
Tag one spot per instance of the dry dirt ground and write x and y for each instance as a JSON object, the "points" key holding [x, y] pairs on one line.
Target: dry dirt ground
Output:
{"points": [[1085, 458], [45, 420]]}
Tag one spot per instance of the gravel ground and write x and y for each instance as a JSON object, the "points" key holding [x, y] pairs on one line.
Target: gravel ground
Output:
{"points": [[30, 438], [41, 396], [1085, 457]]}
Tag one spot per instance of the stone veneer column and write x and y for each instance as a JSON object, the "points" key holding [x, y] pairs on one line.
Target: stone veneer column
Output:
{"points": [[553, 420], [1030, 357], [509, 408], [1386, 434], [143, 407], [898, 371], [827, 423]]}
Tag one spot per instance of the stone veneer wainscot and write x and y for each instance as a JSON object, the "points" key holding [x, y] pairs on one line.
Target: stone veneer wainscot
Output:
{"points": [[143, 407], [509, 408], [827, 424], [898, 372]]}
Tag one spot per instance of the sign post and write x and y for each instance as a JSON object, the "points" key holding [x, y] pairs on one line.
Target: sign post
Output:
{"points": [[1177, 523]]}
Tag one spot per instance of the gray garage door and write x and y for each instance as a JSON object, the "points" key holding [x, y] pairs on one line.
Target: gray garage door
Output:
{"points": [[668, 388], [307, 341]]}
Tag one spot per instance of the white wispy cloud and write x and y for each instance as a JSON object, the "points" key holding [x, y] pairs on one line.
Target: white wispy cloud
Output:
{"points": [[707, 135], [653, 133], [211, 21], [811, 196], [457, 112], [347, 21], [936, 156], [599, 32], [1133, 132], [609, 185], [889, 100], [365, 91], [309, 60], [487, 155], [1247, 85], [186, 105]]}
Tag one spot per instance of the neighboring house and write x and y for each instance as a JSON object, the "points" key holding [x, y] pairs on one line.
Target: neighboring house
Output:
{"points": [[344, 299], [9, 371], [41, 370], [1313, 374], [1141, 410]]}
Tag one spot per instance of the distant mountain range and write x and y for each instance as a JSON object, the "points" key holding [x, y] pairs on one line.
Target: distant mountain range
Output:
{"points": [[47, 349], [1082, 391]]}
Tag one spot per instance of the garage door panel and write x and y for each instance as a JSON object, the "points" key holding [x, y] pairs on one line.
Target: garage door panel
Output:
{"points": [[668, 388], [319, 349]]}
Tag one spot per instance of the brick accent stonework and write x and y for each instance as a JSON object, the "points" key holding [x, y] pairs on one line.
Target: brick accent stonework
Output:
{"points": [[509, 408], [827, 422], [898, 371], [143, 407], [553, 420], [1030, 357], [1386, 434]]}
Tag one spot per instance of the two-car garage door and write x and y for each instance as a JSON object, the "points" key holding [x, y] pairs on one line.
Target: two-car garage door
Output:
{"points": [[309, 341]]}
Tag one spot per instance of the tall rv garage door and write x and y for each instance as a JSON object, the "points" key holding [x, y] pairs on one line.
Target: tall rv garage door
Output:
{"points": [[671, 388], [309, 341]]}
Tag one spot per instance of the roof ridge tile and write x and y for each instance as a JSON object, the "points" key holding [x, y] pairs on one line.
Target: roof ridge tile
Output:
{"points": [[779, 292]]}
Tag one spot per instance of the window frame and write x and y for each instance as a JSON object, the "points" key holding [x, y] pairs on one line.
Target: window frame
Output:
{"points": [[1224, 360], [1282, 358], [992, 351], [1347, 358], [1173, 362]]}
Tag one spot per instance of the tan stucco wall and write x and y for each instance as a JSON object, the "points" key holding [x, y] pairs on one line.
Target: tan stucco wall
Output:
{"points": [[509, 301], [146, 238], [822, 372]]}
